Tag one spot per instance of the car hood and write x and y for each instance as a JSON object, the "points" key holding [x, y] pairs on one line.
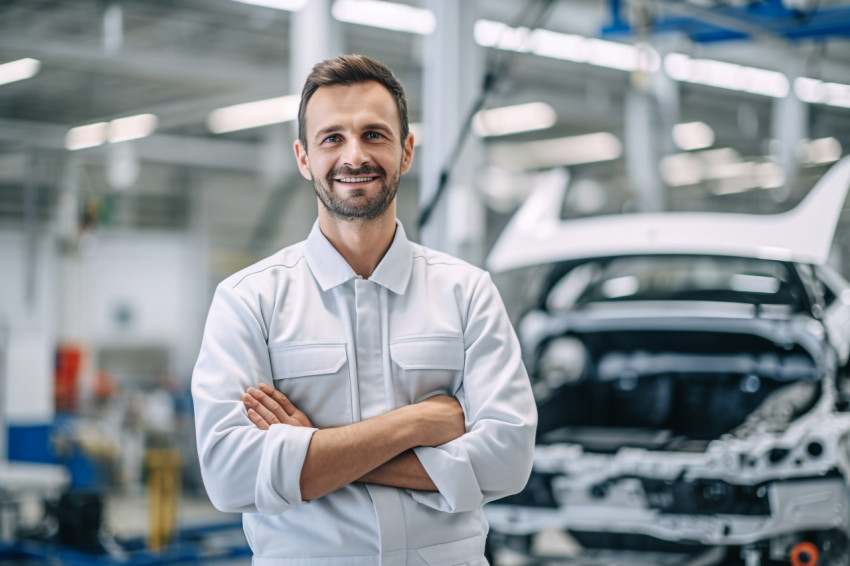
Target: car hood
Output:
{"points": [[537, 235]]}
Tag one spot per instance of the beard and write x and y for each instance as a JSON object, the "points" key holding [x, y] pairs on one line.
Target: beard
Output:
{"points": [[357, 206]]}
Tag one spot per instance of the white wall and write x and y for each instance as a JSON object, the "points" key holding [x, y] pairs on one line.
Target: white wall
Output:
{"points": [[160, 279], [27, 311], [138, 289]]}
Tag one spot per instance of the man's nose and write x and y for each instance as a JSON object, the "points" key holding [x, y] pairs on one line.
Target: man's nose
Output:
{"points": [[354, 154]]}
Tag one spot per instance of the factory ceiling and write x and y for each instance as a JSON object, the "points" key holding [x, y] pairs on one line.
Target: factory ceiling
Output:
{"points": [[96, 62]]}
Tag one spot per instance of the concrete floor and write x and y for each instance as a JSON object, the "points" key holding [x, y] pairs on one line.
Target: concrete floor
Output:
{"points": [[127, 514], [126, 517]]}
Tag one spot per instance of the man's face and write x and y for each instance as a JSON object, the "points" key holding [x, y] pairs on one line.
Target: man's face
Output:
{"points": [[354, 154]]}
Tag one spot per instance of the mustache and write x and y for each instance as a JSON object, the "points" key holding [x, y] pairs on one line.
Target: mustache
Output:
{"points": [[364, 171]]}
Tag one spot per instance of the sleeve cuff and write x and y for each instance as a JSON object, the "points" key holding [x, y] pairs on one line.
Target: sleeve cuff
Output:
{"points": [[449, 468], [279, 479]]}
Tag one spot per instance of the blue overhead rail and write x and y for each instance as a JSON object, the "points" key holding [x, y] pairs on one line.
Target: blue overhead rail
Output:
{"points": [[723, 22]]}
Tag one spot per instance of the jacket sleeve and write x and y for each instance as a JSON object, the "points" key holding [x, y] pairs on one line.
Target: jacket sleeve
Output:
{"points": [[493, 459], [244, 468]]}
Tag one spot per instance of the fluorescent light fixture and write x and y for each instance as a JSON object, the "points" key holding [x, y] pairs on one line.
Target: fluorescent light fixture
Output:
{"points": [[131, 128], [724, 167], [820, 92], [565, 46], [693, 135], [622, 56], [691, 168], [254, 114], [754, 283], [386, 15], [618, 287], [819, 151], [19, 70], [514, 119], [726, 75], [289, 5], [769, 175], [488, 33], [90, 135], [556, 152], [118, 130], [681, 169]]}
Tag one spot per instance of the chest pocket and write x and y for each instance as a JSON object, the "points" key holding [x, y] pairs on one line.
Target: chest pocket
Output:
{"points": [[424, 366], [315, 377]]}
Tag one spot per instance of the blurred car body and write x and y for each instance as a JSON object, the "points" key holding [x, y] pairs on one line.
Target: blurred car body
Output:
{"points": [[690, 374]]}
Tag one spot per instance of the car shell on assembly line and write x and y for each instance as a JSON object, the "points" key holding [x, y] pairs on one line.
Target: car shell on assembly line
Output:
{"points": [[690, 372]]}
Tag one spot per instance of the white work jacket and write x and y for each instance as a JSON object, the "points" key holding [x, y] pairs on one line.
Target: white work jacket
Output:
{"points": [[344, 348]]}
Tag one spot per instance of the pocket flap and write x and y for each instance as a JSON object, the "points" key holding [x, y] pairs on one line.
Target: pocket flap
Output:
{"points": [[299, 360], [428, 352], [457, 552]]}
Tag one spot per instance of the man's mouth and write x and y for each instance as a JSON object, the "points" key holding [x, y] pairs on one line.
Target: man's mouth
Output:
{"points": [[355, 179]]}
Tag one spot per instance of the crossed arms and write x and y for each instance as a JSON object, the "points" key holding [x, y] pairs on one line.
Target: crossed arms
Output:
{"points": [[376, 450], [486, 453]]}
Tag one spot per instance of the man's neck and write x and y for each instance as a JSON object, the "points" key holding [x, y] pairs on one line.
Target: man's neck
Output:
{"points": [[361, 244]]}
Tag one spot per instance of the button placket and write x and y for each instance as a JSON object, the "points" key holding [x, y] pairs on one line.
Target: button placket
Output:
{"points": [[369, 337], [370, 378]]}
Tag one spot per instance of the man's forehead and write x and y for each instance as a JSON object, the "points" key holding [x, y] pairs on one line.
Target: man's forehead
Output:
{"points": [[351, 99]]}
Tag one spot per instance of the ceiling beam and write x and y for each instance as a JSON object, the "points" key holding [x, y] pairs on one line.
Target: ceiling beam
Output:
{"points": [[159, 148], [151, 64]]}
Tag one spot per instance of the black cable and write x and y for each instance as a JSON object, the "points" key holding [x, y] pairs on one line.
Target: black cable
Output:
{"points": [[536, 13]]}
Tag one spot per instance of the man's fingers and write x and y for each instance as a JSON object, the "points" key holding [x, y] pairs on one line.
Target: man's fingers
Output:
{"points": [[254, 404], [270, 404], [279, 397], [257, 420], [292, 412], [273, 406]]}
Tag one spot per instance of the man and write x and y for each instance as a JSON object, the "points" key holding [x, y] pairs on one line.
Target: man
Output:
{"points": [[360, 397]]}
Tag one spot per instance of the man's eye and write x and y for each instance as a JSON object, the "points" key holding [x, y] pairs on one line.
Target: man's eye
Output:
{"points": [[374, 135], [333, 138]]}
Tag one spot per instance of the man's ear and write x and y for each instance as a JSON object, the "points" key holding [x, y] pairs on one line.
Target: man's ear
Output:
{"points": [[302, 159], [407, 153]]}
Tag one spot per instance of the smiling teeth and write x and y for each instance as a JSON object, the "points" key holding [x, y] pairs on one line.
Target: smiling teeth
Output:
{"points": [[355, 179]]}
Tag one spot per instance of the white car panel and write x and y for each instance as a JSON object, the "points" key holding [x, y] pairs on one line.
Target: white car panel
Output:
{"points": [[537, 235]]}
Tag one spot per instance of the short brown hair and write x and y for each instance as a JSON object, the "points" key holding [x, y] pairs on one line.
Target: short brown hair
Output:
{"points": [[350, 69]]}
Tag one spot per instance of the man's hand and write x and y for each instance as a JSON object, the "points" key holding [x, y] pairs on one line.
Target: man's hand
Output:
{"points": [[440, 420], [267, 406]]}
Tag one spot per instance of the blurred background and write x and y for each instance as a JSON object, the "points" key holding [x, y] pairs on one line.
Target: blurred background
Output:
{"points": [[145, 154]]}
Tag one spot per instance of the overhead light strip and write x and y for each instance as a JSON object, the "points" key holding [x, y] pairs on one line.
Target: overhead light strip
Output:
{"points": [[680, 67], [820, 92], [82, 137], [19, 70], [116, 131], [725, 75], [514, 119], [730, 173], [131, 128], [254, 114], [693, 135], [385, 15], [558, 152], [567, 47], [288, 5]]}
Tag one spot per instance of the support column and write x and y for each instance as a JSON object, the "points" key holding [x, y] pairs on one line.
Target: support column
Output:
{"points": [[452, 76], [314, 37], [647, 130], [789, 127]]}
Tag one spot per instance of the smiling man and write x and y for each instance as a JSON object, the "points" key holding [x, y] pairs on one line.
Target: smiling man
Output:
{"points": [[359, 397]]}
